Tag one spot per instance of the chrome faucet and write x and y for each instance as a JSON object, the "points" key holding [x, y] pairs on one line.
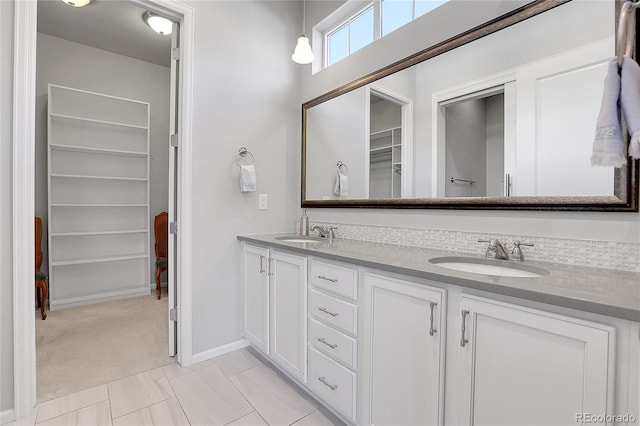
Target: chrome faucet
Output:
{"points": [[324, 231], [495, 249], [517, 253]]}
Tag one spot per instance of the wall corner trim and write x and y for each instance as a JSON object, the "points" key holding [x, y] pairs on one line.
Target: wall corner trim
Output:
{"points": [[220, 350]]}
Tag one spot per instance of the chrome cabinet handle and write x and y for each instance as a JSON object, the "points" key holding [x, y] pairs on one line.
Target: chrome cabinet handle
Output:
{"points": [[332, 346], [322, 277], [464, 341], [269, 266], [432, 330], [332, 387], [262, 271], [333, 314], [507, 185]]}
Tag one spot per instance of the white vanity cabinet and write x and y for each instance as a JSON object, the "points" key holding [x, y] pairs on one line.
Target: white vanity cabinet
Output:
{"points": [[333, 335], [289, 313], [383, 348], [274, 286], [403, 352], [530, 367], [255, 296]]}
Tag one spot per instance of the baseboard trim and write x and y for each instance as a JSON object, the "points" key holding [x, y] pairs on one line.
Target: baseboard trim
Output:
{"points": [[163, 284], [98, 298], [6, 416], [220, 350]]}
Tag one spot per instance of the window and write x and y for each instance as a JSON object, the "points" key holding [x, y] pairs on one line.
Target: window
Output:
{"points": [[350, 36], [348, 31]]}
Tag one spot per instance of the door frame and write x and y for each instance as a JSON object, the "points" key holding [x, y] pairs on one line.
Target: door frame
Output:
{"points": [[23, 167]]}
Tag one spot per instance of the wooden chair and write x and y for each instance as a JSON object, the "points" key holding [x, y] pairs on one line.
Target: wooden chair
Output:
{"points": [[41, 278], [160, 227]]}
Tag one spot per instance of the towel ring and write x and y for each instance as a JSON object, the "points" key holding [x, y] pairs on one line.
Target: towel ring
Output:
{"points": [[626, 30], [342, 167], [245, 157]]}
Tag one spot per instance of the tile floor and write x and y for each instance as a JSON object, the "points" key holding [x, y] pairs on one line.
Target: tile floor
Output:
{"points": [[234, 389]]}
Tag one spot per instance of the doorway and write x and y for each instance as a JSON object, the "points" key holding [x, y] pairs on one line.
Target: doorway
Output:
{"points": [[23, 202], [102, 175]]}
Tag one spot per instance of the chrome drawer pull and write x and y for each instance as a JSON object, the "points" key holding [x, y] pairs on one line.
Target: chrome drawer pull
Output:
{"points": [[333, 314], [464, 341], [322, 277], [432, 330], [332, 346], [332, 387]]}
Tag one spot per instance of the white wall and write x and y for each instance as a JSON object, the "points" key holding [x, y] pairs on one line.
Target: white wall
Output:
{"points": [[623, 227], [245, 94], [70, 64], [6, 255]]}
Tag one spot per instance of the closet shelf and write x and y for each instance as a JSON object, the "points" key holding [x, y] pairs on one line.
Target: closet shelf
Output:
{"points": [[88, 233], [99, 205], [105, 151], [98, 260], [58, 175], [71, 118]]}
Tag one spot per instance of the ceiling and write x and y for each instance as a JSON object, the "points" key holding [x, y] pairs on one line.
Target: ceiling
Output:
{"points": [[112, 25]]}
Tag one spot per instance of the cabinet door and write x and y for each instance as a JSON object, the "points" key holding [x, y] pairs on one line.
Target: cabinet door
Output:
{"points": [[255, 289], [520, 366], [402, 356], [289, 313]]}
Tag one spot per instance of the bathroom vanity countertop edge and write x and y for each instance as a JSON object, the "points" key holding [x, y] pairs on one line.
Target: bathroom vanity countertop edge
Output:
{"points": [[601, 291]]}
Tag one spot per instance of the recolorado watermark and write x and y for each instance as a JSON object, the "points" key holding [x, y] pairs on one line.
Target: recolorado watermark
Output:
{"points": [[605, 418]]}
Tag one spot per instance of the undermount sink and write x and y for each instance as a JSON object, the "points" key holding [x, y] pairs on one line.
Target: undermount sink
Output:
{"points": [[500, 268], [300, 239]]}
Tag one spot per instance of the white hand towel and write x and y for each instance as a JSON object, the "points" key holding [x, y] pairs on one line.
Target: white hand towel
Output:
{"points": [[608, 146], [247, 178], [630, 103], [341, 187]]}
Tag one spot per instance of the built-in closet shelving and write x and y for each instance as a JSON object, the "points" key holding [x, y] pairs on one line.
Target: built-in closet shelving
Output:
{"points": [[98, 180], [385, 163]]}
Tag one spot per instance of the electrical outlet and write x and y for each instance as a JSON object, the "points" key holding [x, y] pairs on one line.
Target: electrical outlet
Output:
{"points": [[263, 201]]}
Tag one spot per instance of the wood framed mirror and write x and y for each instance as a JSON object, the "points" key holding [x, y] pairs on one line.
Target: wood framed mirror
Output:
{"points": [[501, 116]]}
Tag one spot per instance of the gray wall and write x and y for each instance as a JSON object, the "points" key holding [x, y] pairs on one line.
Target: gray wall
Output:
{"points": [[245, 94], [343, 141], [466, 145], [495, 145], [6, 254], [410, 39], [70, 64]]}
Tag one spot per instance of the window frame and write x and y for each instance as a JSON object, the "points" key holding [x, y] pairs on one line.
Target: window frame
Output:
{"points": [[346, 14], [346, 22]]}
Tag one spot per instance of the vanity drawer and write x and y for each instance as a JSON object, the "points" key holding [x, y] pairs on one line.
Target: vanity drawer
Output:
{"points": [[340, 314], [334, 278], [332, 343], [333, 383]]}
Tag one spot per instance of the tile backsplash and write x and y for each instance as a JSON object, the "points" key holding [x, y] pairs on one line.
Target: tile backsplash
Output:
{"points": [[599, 254]]}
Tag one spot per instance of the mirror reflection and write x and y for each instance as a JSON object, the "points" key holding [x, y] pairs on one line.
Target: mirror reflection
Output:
{"points": [[511, 114]]}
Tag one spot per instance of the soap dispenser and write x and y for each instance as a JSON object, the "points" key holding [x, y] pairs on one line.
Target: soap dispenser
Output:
{"points": [[304, 223]]}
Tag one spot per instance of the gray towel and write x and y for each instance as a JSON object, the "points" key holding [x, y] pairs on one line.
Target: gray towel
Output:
{"points": [[341, 188], [630, 103], [608, 146]]}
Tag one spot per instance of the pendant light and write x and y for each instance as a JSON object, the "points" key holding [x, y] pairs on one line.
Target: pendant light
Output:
{"points": [[77, 3], [303, 53]]}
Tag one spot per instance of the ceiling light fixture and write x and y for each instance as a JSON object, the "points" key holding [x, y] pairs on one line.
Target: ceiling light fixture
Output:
{"points": [[303, 53], [161, 25], [77, 3]]}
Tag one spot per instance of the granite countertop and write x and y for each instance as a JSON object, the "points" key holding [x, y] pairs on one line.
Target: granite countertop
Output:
{"points": [[601, 291]]}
